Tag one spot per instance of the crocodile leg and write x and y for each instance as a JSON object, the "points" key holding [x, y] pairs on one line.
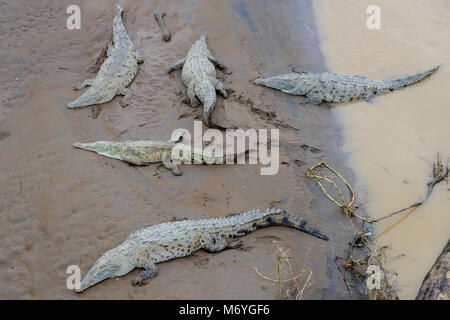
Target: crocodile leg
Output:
{"points": [[312, 98], [124, 92], [211, 244], [138, 56], [151, 271], [191, 95], [85, 83], [166, 161], [110, 49], [216, 62], [368, 97], [219, 87], [127, 96], [177, 65]]}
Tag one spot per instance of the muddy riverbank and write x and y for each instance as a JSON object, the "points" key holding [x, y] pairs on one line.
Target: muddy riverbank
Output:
{"points": [[60, 206]]}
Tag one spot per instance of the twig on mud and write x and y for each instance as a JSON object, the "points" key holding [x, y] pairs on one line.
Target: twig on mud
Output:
{"points": [[281, 256], [165, 31], [343, 275]]}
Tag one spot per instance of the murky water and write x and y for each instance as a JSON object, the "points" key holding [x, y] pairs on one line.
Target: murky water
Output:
{"points": [[392, 141]]}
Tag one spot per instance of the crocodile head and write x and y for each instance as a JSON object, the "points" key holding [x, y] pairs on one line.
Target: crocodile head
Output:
{"points": [[113, 263], [293, 83], [105, 148]]}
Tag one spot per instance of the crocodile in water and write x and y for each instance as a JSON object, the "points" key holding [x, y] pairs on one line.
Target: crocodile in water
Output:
{"points": [[330, 87]]}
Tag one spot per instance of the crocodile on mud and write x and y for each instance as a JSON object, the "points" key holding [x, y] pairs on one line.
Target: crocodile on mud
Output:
{"points": [[199, 76], [146, 247], [145, 152], [330, 87], [116, 73]]}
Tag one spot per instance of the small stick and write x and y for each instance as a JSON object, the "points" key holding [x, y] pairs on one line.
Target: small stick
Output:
{"points": [[437, 179], [159, 17], [343, 275]]}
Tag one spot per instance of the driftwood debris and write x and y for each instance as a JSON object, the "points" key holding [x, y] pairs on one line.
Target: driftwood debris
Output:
{"points": [[436, 285], [165, 31]]}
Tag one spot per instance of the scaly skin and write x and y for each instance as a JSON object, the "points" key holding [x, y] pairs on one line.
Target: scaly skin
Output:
{"points": [[330, 87], [116, 73], [145, 152], [146, 247], [199, 76]]}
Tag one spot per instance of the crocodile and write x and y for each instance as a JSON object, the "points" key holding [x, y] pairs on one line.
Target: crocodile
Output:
{"points": [[330, 87], [199, 76], [116, 72], [146, 247], [145, 152]]}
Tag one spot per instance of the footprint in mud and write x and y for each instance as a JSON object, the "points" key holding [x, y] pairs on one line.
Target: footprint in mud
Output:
{"points": [[265, 113], [4, 262], [4, 135], [177, 219], [95, 111], [299, 163], [310, 148], [270, 237], [202, 262], [189, 114]]}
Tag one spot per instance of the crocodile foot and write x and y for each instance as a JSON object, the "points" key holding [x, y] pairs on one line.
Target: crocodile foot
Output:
{"points": [[139, 282], [236, 244]]}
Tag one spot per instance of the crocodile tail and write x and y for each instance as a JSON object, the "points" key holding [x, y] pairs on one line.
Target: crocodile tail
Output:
{"points": [[254, 220], [119, 10], [90, 97], [206, 93], [390, 85], [295, 221]]}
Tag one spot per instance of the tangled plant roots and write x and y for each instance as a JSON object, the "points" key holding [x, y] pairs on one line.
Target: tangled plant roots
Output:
{"points": [[358, 267], [291, 287]]}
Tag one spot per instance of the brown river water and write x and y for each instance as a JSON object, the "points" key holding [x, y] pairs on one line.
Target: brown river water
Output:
{"points": [[392, 141], [60, 206]]}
